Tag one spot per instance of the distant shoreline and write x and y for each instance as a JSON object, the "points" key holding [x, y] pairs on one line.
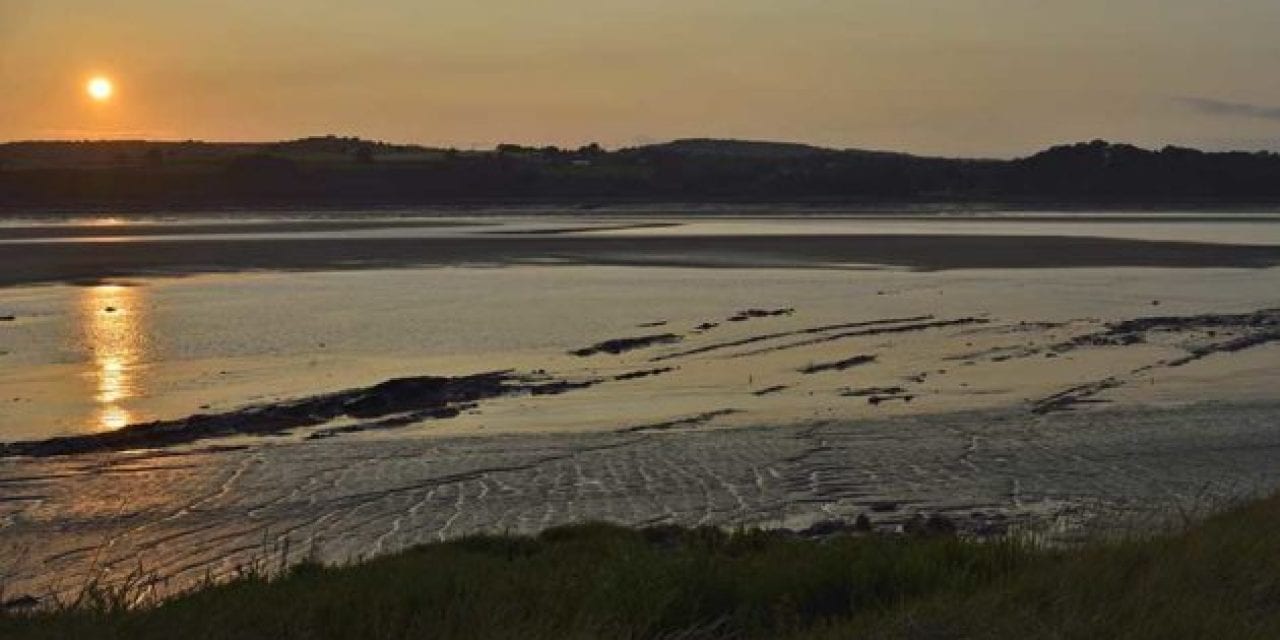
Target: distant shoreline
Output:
{"points": [[70, 261], [642, 207]]}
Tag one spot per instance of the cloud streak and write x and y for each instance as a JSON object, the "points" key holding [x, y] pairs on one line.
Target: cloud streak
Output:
{"points": [[1235, 109]]}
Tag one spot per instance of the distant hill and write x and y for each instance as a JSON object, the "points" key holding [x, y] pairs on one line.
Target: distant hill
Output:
{"points": [[341, 171], [752, 149], [756, 150]]}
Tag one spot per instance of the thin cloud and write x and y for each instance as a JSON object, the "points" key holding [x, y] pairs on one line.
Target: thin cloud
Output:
{"points": [[1238, 109]]}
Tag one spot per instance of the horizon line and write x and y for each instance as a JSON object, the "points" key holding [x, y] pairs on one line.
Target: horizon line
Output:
{"points": [[656, 143]]}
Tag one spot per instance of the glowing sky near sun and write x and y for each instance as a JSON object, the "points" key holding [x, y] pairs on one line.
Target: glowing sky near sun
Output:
{"points": [[100, 89], [988, 77]]}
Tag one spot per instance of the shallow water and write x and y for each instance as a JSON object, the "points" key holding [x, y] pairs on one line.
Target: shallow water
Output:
{"points": [[118, 351], [973, 354], [1233, 228], [182, 517], [81, 359], [1255, 229]]}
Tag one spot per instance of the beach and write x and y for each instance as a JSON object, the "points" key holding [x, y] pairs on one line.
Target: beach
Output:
{"points": [[31, 262], [183, 516], [183, 397]]}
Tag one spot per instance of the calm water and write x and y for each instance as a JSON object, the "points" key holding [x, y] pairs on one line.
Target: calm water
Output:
{"points": [[111, 351], [1244, 228], [87, 358]]}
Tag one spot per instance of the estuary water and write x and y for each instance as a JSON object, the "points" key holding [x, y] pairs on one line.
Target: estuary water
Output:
{"points": [[183, 396], [104, 352]]}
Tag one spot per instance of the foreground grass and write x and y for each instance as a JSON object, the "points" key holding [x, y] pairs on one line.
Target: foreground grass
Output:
{"points": [[1220, 579]]}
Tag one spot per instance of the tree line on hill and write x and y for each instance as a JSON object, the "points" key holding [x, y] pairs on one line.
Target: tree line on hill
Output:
{"points": [[334, 171]]}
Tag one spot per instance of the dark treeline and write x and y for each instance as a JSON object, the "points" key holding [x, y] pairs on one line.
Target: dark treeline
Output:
{"points": [[333, 171]]}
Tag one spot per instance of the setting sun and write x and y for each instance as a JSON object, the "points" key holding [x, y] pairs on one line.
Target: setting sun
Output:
{"points": [[100, 89]]}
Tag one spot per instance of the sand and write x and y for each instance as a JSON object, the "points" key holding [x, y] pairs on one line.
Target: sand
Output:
{"points": [[180, 515], [42, 262], [1051, 456], [966, 394]]}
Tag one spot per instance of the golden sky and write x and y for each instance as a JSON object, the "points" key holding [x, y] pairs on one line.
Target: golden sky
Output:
{"points": [[953, 77]]}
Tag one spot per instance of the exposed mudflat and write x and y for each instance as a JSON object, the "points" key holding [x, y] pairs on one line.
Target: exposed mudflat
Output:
{"points": [[183, 426], [387, 405], [33, 262], [790, 375], [178, 515], [351, 474]]}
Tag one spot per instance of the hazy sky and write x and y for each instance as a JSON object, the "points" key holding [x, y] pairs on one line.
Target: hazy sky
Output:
{"points": [[955, 77]]}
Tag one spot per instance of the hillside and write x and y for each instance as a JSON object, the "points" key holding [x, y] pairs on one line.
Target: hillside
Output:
{"points": [[333, 171]]}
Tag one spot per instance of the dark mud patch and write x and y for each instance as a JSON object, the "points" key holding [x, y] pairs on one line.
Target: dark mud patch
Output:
{"points": [[880, 395], [1068, 399], [1199, 336], [691, 421], [1022, 326], [1204, 334], [1229, 346], [1001, 353], [390, 404], [770, 390], [867, 392], [559, 387], [875, 331], [839, 365], [788, 334], [906, 398], [560, 231], [622, 345], [647, 373], [753, 314]]}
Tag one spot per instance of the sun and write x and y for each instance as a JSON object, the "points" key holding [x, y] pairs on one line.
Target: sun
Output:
{"points": [[100, 88]]}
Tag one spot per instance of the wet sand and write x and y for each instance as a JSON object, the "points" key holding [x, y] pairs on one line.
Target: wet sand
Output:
{"points": [[1059, 402], [28, 263], [372, 470], [1048, 367], [143, 229], [183, 515]]}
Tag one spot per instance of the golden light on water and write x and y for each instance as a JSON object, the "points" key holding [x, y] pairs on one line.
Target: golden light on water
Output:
{"points": [[108, 221], [115, 332]]}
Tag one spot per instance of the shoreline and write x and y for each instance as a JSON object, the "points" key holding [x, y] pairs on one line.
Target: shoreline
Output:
{"points": [[834, 579], [795, 356], [763, 407], [578, 208], [30, 263], [1065, 476]]}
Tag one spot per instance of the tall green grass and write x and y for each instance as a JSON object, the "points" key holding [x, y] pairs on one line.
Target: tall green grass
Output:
{"points": [[1220, 578]]}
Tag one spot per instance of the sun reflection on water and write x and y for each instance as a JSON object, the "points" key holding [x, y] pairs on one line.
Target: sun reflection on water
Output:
{"points": [[115, 331]]}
